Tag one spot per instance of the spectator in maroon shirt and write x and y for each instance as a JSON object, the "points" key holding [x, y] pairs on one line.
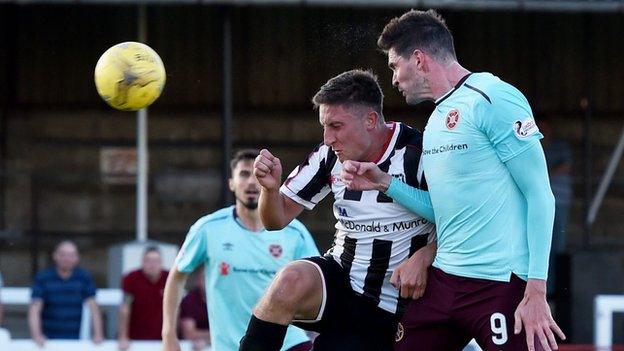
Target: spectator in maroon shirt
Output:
{"points": [[140, 314], [194, 314]]}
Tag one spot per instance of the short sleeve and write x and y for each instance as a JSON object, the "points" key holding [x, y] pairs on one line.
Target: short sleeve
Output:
{"points": [[88, 289], [194, 250], [38, 287], [507, 121], [306, 246], [308, 183], [126, 284]]}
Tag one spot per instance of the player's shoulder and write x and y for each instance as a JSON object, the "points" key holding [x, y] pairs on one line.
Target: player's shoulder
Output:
{"points": [[221, 215], [322, 150], [408, 137], [489, 88], [298, 227], [208, 222]]}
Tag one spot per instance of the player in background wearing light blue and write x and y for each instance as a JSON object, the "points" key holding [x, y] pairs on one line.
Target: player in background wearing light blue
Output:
{"points": [[488, 185], [240, 259]]}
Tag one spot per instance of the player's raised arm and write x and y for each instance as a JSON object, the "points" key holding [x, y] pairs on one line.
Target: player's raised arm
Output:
{"points": [[368, 176], [276, 210]]}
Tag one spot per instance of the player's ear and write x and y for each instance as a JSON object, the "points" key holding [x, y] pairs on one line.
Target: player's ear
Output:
{"points": [[372, 118], [231, 184], [419, 58]]}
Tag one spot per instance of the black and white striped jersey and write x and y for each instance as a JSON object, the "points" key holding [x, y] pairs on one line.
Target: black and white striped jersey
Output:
{"points": [[373, 233]]}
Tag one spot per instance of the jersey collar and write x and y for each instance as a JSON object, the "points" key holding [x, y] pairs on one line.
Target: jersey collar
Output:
{"points": [[389, 144], [459, 84]]}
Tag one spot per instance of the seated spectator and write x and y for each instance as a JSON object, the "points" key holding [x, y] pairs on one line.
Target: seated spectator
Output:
{"points": [[140, 314], [194, 314], [58, 294]]}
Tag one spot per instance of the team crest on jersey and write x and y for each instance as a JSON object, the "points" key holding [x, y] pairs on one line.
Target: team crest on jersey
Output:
{"points": [[275, 250], [399, 333], [452, 119], [224, 268], [525, 128]]}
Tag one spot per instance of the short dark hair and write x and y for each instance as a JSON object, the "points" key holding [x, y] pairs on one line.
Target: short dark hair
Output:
{"points": [[151, 248], [424, 30], [242, 155], [351, 87]]}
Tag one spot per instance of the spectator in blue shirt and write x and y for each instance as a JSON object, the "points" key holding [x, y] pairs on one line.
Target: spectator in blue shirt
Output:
{"points": [[58, 294]]}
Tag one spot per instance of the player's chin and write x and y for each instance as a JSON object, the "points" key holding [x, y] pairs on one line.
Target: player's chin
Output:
{"points": [[251, 204], [414, 99]]}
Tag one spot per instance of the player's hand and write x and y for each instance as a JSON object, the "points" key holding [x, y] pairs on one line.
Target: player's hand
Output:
{"points": [[533, 314], [171, 344], [123, 344], [364, 176], [410, 277], [40, 340], [268, 170]]}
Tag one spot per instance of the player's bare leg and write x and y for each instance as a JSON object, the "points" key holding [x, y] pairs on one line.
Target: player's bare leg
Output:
{"points": [[296, 293]]}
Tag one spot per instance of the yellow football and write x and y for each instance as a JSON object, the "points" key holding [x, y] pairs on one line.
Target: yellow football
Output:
{"points": [[130, 76]]}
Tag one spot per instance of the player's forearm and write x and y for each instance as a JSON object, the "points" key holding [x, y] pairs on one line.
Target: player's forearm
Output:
{"points": [[272, 209], [428, 253], [415, 200], [171, 301]]}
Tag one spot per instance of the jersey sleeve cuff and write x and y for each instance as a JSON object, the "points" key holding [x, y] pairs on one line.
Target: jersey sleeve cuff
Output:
{"points": [[293, 196]]}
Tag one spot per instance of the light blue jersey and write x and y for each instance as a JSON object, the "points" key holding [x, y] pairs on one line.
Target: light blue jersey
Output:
{"points": [[481, 214], [239, 265]]}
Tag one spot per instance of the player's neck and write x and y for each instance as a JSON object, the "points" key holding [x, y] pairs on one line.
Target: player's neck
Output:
{"points": [[383, 134], [249, 218], [447, 78]]}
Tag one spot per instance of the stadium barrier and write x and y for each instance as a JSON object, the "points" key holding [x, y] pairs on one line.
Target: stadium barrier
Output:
{"points": [[82, 345], [604, 307], [104, 298]]}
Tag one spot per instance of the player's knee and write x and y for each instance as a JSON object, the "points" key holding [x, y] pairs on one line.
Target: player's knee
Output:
{"points": [[291, 285]]}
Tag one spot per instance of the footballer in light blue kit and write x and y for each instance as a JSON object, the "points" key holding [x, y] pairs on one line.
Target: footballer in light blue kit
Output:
{"points": [[241, 258], [481, 214], [488, 187]]}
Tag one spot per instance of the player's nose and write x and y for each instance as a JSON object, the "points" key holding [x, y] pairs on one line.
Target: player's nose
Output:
{"points": [[395, 80], [328, 137]]}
